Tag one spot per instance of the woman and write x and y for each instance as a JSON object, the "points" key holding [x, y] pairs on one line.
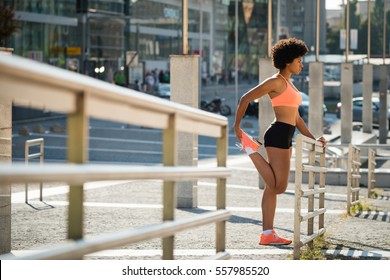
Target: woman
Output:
{"points": [[287, 57]]}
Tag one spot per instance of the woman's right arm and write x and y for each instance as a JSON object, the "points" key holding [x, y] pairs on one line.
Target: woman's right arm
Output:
{"points": [[241, 108], [269, 85]]}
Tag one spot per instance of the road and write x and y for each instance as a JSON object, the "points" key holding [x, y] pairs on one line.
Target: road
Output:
{"points": [[114, 142]]}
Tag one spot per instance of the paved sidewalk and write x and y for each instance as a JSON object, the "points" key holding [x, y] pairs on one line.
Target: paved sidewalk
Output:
{"points": [[115, 206]]}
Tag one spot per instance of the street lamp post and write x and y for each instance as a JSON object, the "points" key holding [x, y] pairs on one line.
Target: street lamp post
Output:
{"points": [[236, 56], [383, 121], [347, 33], [185, 26]]}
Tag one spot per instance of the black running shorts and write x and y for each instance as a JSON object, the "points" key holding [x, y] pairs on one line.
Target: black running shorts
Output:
{"points": [[279, 135]]}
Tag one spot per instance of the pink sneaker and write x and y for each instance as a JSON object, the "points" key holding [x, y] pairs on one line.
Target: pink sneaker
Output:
{"points": [[273, 239], [248, 141]]}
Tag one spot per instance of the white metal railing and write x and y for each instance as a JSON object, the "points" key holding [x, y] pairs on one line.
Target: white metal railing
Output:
{"points": [[337, 154], [77, 174], [371, 172], [78, 249], [27, 156], [353, 180], [316, 151], [29, 83]]}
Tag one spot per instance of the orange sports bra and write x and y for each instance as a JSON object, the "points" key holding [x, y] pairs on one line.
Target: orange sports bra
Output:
{"points": [[290, 97]]}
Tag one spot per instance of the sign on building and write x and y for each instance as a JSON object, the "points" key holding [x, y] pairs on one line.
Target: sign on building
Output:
{"points": [[353, 39]]}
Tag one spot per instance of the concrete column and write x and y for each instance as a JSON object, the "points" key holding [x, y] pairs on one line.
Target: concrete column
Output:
{"points": [[316, 98], [5, 190], [367, 97], [5, 156], [346, 95], [185, 77], [383, 121], [266, 113]]}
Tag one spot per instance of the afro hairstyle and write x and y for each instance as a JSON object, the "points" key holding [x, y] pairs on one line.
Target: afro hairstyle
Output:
{"points": [[286, 50]]}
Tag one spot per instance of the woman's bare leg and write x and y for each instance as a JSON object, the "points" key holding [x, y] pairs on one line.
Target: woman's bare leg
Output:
{"points": [[268, 206], [276, 170], [278, 160]]}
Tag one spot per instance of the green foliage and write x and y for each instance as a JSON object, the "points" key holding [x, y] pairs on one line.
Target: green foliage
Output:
{"points": [[7, 23], [314, 252], [333, 41], [361, 206], [375, 193], [355, 22]]}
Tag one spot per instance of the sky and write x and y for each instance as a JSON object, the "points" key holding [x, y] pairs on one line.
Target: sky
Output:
{"points": [[334, 4]]}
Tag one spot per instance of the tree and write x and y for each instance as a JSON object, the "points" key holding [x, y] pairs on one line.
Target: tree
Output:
{"points": [[376, 44], [354, 18], [333, 40], [7, 23]]}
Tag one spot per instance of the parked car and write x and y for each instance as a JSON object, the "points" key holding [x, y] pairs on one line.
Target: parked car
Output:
{"points": [[164, 90], [253, 108], [304, 107], [357, 109]]}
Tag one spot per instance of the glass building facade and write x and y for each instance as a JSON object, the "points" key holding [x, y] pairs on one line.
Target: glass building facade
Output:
{"points": [[82, 36], [94, 37], [46, 28]]}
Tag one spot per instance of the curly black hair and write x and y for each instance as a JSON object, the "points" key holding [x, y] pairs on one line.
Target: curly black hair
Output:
{"points": [[286, 50]]}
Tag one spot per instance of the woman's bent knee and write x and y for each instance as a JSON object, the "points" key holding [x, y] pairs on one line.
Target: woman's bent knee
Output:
{"points": [[279, 189]]}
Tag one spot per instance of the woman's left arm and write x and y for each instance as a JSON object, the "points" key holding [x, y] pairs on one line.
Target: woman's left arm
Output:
{"points": [[301, 126]]}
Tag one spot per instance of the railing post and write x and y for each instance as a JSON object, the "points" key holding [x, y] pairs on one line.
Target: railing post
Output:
{"points": [[169, 188], [297, 206], [78, 134], [371, 172], [222, 143], [349, 178], [310, 201], [321, 203], [356, 178]]}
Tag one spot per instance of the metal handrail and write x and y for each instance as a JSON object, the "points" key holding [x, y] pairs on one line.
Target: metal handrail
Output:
{"points": [[336, 160], [81, 173], [78, 249], [41, 86]]}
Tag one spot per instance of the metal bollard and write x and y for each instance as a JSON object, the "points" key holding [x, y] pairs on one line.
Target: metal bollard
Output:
{"points": [[27, 156]]}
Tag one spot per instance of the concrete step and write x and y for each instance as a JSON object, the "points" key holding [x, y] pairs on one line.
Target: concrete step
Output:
{"points": [[338, 176]]}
